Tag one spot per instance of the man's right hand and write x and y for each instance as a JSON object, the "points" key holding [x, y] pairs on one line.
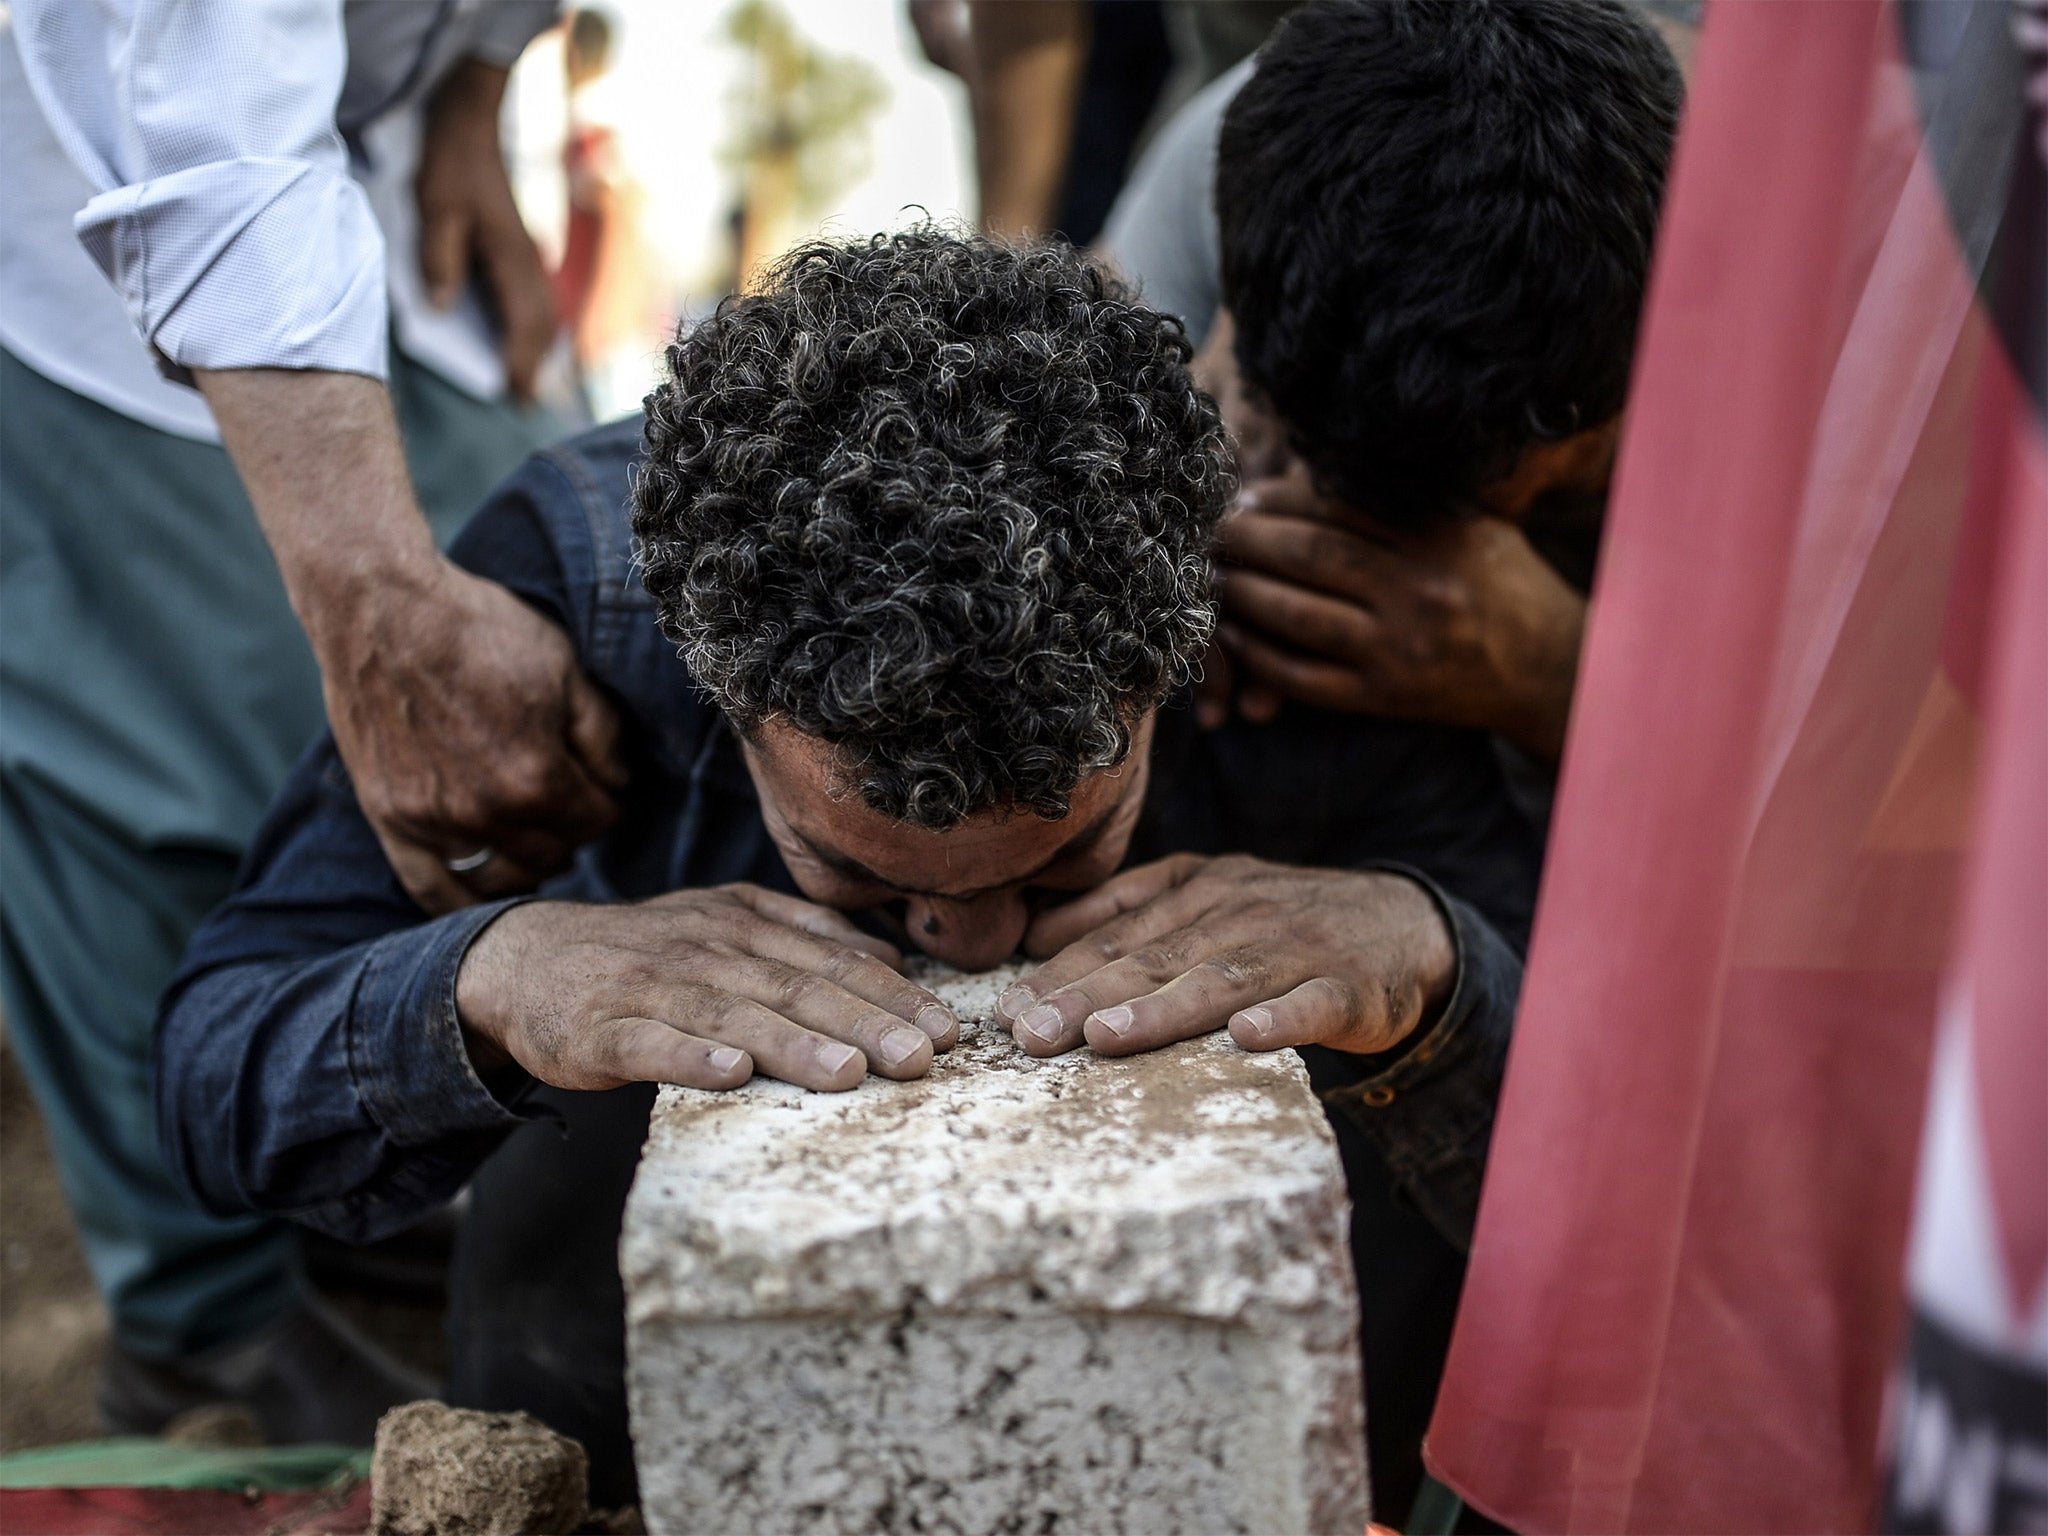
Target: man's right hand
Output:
{"points": [[700, 987], [468, 728]]}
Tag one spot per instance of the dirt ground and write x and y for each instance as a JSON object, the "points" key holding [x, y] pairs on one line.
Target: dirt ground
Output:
{"points": [[53, 1329]]}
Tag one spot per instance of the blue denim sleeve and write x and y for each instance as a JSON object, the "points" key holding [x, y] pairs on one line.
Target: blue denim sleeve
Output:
{"points": [[308, 1058], [1427, 1107]]}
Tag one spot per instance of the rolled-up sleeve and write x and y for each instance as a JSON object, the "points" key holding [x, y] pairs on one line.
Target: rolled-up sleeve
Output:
{"points": [[225, 213]]}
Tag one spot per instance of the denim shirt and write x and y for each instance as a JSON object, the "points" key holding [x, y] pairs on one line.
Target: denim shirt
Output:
{"points": [[309, 1060]]}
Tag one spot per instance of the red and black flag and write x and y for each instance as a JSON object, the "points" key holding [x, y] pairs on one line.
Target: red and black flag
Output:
{"points": [[1802, 831]]}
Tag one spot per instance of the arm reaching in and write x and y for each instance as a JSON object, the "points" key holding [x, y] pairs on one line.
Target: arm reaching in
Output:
{"points": [[462, 714]]}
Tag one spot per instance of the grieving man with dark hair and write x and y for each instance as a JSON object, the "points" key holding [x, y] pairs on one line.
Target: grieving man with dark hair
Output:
{"points": [[929, 519], [1416, 238]]}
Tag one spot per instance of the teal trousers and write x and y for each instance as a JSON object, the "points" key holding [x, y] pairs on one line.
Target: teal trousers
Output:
{"points": [[154, 689]]}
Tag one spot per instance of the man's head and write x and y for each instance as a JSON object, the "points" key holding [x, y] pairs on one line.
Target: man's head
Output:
{"points": [[1436, 221], [929, 518]]}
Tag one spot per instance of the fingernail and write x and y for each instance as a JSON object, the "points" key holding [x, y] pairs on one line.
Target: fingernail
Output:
{"points": [[935, 1021], [1116, 1020], [833, 1057], [1259, 1020], [1015, 999], [725, 1058], [898, 1045], [1043, 1023]]}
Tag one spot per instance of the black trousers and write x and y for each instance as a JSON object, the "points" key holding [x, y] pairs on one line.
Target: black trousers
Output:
{"points": [[537, 1312]]}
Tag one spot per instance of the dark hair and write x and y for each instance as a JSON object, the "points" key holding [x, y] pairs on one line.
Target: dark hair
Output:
{"points": [[1436, 220], [942, 502]]}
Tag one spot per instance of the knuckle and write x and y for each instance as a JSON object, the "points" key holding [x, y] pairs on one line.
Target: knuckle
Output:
{"points": [[1246, 968], [1158, 960], [793, 989], [837, 964], [1341, 1002], [729, 1014], [608, 1053], [1446, 601]]}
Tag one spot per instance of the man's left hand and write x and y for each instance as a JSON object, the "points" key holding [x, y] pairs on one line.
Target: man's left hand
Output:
{"points": [[1353, 960], [470, 221]]}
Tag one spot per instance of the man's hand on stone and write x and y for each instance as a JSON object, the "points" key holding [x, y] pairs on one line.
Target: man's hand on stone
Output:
{"points": [[1464, 626], [701, 987], [1353, 960], [469, 730]]}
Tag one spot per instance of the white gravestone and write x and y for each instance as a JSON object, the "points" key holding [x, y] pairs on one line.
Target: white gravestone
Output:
{"points": [[1074, 1295]]}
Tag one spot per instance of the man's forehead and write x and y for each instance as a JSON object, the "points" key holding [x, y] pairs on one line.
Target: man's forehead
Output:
{"points": [[988, 850]]}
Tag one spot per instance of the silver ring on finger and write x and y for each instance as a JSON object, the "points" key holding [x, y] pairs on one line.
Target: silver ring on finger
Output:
{"points": [[469, 863]]}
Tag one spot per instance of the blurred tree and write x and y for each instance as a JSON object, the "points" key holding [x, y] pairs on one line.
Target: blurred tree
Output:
{"points": [[800, 129]]}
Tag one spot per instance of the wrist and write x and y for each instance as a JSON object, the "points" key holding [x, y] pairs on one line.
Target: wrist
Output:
{"points": [[1536, 717], [353, 602], [495, 957], [1427, 974]]}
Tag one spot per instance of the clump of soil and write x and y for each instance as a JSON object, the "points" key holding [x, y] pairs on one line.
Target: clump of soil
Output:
{"points": [[221, 1425], [441, 1471]]}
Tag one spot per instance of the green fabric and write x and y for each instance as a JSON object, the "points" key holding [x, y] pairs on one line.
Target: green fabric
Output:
{"points": [[158, 1464], [1436, 1510], [154, 690]]}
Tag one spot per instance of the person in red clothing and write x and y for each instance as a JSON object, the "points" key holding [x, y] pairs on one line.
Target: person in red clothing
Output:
{"points": [[602, 292]]}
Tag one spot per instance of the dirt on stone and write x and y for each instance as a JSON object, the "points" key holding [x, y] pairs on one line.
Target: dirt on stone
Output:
{"points": [[441, 1471]]}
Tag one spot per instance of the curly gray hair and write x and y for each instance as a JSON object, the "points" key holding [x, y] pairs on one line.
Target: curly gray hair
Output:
{"points": [[942, 502]]}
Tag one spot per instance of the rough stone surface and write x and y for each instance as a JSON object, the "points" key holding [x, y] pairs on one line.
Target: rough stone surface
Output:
{"points": [[1080, 1295], [441, 1471]]}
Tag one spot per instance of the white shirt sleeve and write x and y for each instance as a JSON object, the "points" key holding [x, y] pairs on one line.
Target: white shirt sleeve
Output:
{"points": [[224, 212]]}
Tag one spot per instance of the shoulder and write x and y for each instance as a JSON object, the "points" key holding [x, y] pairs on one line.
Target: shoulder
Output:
{"points": [[557, 529], [1162, 231]]}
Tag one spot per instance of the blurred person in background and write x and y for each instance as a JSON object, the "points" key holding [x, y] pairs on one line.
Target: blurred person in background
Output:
{"points": [[1425, 444], [603, 285], [1479, 623], [269, 310]]}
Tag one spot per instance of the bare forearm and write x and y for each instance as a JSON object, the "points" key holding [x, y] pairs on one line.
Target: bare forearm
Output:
{"points": [[324, 465], [1028, 60], [462, 714]]}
